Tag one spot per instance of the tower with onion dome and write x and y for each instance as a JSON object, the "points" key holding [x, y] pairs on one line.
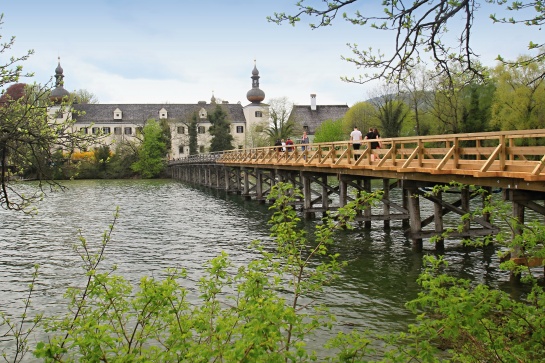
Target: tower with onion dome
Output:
{"points": [[59, 95], [256, 113]]}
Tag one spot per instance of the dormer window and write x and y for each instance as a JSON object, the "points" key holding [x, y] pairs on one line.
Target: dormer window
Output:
{"points": [[163, 114], [118, 115], [202, 113]]}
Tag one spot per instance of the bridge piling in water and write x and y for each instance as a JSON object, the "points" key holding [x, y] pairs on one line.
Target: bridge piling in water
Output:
{"points": [[327, 175]]}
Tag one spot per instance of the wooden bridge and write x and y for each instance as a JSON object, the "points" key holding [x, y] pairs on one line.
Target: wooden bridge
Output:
{"points": [[512, 161]]}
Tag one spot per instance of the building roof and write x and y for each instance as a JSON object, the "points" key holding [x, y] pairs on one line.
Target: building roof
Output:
{"points": [[305, 116], [140, 113]]}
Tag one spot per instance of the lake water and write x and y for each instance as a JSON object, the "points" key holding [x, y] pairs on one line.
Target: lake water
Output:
{"points": [[164, 223]]}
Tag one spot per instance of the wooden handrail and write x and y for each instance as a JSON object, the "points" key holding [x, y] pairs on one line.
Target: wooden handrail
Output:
{"points": [[513, 154]]}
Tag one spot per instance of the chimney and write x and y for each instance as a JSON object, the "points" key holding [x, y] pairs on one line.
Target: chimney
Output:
{"points": [[313, 101]]}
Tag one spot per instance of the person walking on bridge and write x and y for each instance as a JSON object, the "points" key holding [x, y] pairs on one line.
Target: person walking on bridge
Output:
{"points": [[373, 145], [289, 142], [355, 138], [304, 140]]}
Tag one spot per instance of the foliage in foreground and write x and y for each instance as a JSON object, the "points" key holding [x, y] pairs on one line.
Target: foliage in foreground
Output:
{"points": [[265, 311]]}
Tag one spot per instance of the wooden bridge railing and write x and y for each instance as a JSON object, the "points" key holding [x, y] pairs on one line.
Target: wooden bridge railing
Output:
{"points": [[509, 154]]}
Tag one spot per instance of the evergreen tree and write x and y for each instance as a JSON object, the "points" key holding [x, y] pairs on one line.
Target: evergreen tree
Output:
{"points": [[220, 131], [477, 113], [166, 135], [192, 129]]}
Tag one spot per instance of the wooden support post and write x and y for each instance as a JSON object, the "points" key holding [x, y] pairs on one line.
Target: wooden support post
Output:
{"points": [[386, 206], [259, 185], [464, 196], [238, 180], [405, 223], [414, 218], [246, 190], [343, 190], [325, 195], [307, 195], [518, 214], [438, 222], [367, 212]]}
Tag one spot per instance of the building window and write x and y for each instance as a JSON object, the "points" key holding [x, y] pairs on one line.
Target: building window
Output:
{"points": [[117, 130], [84, 130], [258, 114], [106, 130], [128, 131], [59, 114], [180, 149], [163, 114], [201, 129], [240, 129], [240, 147], [96, 130], [201, 149], [181, 129], [118, 115], [305, 128]]}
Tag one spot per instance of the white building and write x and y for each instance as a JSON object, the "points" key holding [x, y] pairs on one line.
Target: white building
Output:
{"points": [[122, 122]]}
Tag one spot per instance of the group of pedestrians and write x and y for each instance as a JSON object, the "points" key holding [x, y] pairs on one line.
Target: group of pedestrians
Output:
{"points": [[287, 145], [356, 138]]}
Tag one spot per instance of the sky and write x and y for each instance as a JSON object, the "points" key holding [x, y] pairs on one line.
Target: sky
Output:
{"points": [[185, 51]]}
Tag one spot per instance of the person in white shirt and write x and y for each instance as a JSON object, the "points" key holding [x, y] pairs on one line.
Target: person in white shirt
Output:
{"points": [[355, 138]]}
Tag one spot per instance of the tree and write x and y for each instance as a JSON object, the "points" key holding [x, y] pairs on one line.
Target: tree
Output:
{"points": [[14, 92], [102, 156], [450, 102], [476, 110], [84, 96], [415, 90], [256, 136], [361, 114], [519, 101], [281, 126], [417, 28], [166, 135], [330, 130], [152, 152], [32, 139], [390, 111], [192, 130], [220, 130]]}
